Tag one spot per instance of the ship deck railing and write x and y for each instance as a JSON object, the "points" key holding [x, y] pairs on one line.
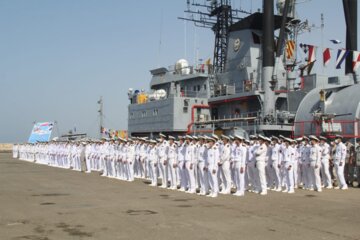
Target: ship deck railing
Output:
{"points": [[195, 69], [182, 94], [244, 119]]}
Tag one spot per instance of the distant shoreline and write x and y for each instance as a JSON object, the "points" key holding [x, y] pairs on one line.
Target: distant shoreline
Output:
{"points": [[6, 147]]}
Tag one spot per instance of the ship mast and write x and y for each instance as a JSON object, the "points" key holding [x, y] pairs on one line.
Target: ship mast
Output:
{"points": [[217, 15], [101, 116]]}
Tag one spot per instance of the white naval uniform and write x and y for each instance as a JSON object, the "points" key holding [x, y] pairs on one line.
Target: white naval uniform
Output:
{"points": [[172, 156], [276, 166], [251, 169], [239, 163], [339, 162], [202, 173], [212, 161], [137, 165], [225, 172], [163, 149], [181, 166], [142, 160], [190, 165], [288, 161], [153, 161], [325, 165], [315, 164], [261, 154], [306, 166], [87, 158], [130, 160]]}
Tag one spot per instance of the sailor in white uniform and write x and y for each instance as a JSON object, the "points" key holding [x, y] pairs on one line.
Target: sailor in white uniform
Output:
{"points": [[239, 165], [252, 172], [339, 162], [172, 156], [325, 162], [181, 164], [224, 165], [130, 160], [276, 163], [315, 162], [288, 160], [260, 154], [163, 150], [202, 174], [212, 167], [190, 164], [153, 161]]}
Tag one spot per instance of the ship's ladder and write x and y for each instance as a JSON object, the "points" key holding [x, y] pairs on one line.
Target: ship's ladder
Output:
{"points": [[212, 85]]}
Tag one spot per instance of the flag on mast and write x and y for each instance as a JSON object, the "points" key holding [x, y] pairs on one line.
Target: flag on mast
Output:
{"points": [[312, 54], [341, 56], [335, 41], [356, 60], [326, 56]]}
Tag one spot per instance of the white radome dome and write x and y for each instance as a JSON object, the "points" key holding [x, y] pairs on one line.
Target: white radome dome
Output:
{"points": [[182, 67]]}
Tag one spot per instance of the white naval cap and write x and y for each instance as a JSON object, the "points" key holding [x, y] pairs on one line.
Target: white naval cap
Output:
{"points": [[305, 138], [152, 141], [195, 137], [274, 138], [214, 136], [252, 136], [171, 137], [323, 138], [225, 137], [238, 137], [210, 139], [312, 137], [338, 136], [188, 137], [162, 135], [262, 137]]}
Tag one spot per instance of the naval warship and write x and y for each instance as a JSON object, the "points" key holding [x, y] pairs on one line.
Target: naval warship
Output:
{"points": [[252, 86]]}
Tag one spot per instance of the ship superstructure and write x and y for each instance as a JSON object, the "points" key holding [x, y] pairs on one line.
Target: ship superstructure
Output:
{"points": [[178, 96], [253, 85]]}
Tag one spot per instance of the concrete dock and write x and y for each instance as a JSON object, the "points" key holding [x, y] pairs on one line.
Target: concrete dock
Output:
{"points": [[45, 203]]}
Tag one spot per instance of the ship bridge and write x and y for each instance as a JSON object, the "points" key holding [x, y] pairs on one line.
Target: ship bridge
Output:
{"points": [[178, 97]]}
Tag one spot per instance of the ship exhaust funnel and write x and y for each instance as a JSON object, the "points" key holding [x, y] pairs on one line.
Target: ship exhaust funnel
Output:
{"points": [[268, 59], [350, 12]]}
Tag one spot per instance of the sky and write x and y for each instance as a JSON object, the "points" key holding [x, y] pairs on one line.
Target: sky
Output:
{"points": [[58, 57]]}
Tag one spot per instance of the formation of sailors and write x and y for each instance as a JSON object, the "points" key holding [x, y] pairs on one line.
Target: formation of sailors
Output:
{"points": [[205, 164]]}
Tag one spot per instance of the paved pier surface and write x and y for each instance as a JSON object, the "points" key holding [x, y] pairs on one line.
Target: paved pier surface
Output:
{"points": [[41, 202]]}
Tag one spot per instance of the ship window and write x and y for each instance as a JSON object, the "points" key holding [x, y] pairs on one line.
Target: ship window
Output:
{"points": [[155, 112], [143, 114], [185, 109], [198, 87], [186, 102], [205, 87], [194, 88]]}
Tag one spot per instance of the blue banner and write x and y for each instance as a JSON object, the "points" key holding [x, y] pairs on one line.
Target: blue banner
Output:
{"points": [[41, 132]]}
